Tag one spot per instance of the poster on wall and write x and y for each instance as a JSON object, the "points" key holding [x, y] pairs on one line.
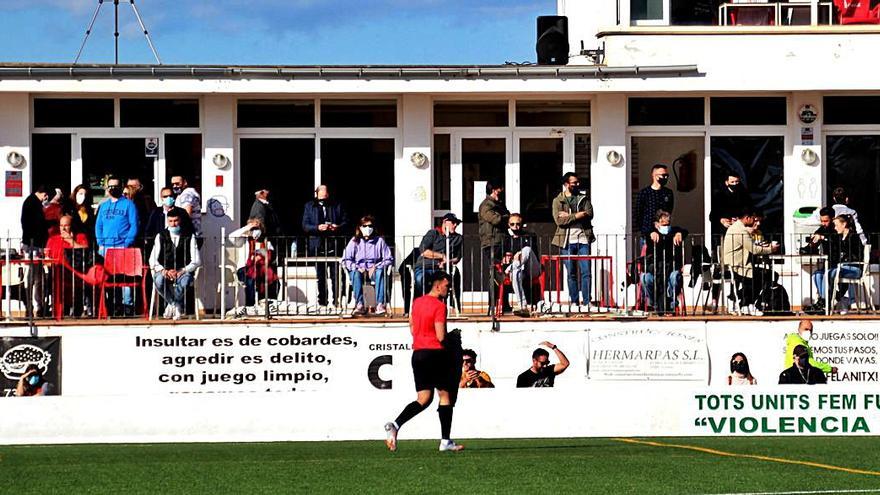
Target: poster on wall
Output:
{"points": [[667, 354], [35, 363]]}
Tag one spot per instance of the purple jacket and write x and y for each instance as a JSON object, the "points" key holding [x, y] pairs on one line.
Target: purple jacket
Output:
{"points": [[366, 254]]}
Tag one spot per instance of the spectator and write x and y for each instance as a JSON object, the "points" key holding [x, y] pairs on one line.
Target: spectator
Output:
{"points": [[492, 221], [801, 372], [727, 204], [157, 221], [573, 215], [262, 209], [521, 261], [116, 226], [841, 207], [81, 210], [651, 199], [59, 249], [819, 243], [116, 222], [255, 261], [846, 255], [434, 256], [738, 250], [664, 260], [325, 222], [739, 371], [366, 257], [542, 373], [802, 338], [189, 199], [143, 202], [34, 227], [32, 383], [53, 210], [174, 260], [471, 377]]}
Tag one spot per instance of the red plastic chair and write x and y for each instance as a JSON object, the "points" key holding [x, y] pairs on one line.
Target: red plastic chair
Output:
{"points": [[126, 262], [857, 12], [540, 280]]}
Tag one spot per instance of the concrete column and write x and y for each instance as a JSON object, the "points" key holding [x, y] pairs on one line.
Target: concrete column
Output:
{"points": [[15, 120], [413, 193], [804, 183]]}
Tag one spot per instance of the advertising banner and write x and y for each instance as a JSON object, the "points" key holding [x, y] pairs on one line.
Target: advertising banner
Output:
{"points": [[649, 354], [38, 358]]}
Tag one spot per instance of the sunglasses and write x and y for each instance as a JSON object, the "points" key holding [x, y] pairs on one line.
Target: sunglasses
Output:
{"points": [[515, 224], [467, 361]]}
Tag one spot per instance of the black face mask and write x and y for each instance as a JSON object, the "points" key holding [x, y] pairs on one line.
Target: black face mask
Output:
{"points": [[739, 367], [115, 191], [663, 181], [804, 361], [734, 187]]}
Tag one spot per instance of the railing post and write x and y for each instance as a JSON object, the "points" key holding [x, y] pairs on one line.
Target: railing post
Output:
{"points": [[8, 280], [222, 273]]}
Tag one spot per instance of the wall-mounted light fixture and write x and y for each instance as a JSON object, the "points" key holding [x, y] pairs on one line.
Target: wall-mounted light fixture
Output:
{"points": [[15, 159], [809, 157], [614, 157], [419, 159], [220, 160]]}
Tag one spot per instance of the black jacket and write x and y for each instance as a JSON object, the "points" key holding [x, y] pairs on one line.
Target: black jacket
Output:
{"points": [[849, 250], [34, 227], [794, 376], [664, 255], [267, 215], [514, 245], [156, 223], [727, 204], [313, 216]]}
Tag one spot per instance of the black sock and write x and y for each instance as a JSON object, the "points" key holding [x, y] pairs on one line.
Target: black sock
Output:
{"points": [[409, 412], [445, 413]]}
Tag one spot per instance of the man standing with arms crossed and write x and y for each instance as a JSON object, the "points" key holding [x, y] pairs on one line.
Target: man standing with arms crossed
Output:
{"points": [[434, 366]]}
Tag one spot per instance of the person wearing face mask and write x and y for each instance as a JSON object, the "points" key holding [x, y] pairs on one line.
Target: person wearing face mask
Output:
{"points": [[116, 226], [188, 198], [664, 260], [80, 209], [801, 372], [255, 261], [652, 198], [325, 222], [366, 256], [521, 262], [144, 203], [157, 221], [727, 203], [739, 371], [32, 383], [802, 338], [573, 215], [492, 226], [34, 227], [174, 260], [738, 250]]}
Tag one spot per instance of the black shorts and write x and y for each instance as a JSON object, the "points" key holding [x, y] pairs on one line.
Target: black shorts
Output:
{"points": [[432, 368]]}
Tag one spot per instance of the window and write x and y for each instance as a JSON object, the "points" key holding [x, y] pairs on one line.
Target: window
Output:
{"points": [[358, 113], [73, 112], [647, 10], [666, 111], [748, 111], [552, 113], [471, 114], [852, 110], [276, 113], [442, 173], [154, 112]]}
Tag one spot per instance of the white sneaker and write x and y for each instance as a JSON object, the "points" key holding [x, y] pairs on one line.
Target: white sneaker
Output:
{"points": [[380, 309], [751, 310], [391, 437], [450, 446], [169, 311], [176, 312]]}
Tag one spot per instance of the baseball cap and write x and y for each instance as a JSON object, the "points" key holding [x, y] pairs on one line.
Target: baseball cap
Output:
{"points": [[451, 217]]}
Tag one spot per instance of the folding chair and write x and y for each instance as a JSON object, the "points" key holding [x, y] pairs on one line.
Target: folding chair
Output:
{"points": [[196, 304], [863, 282]]}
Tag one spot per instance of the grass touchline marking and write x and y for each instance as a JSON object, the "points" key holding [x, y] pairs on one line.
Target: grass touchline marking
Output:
{"points": [[812, 492], [750, 456]]}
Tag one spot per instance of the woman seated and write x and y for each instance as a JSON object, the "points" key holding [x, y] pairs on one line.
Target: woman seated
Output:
{"points": [[68, 250], [255, 261], [846, 254], [366, 257]]}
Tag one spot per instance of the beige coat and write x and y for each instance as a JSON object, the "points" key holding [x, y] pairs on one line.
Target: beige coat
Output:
{"points": [[736, 248]]}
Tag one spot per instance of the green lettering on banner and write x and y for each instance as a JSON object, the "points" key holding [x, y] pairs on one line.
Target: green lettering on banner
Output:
{"points": [[785, 424]]}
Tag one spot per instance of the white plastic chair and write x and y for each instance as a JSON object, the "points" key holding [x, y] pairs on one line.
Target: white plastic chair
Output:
{"points": [[198, 306], [864, 282], [11, 276]]}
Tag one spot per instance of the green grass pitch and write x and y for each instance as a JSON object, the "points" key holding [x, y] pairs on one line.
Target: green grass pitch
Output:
{"points": [[486, 466]]}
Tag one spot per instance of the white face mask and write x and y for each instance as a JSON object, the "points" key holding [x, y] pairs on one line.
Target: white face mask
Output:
{"points": [[256, 233], [80, 197], [663, 229], [806, 335], [367, 231]]}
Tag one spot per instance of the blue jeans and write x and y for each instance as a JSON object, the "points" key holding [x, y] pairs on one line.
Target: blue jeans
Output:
{"points": [[571, 267], [420, 274], [673, 286], [846, 271], [357, 285], [173, 292]]}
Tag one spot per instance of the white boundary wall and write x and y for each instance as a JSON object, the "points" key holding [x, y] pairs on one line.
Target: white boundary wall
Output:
{"points": [[626, 379]]}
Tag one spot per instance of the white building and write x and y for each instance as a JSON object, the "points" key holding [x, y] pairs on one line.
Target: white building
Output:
{"points": [[753, 98]]}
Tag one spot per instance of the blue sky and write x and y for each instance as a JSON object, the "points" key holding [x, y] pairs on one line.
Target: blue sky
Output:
{"points": [[277, 32]]}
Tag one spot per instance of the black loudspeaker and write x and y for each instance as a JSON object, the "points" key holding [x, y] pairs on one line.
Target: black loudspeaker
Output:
{"points": [[552, 44]]}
